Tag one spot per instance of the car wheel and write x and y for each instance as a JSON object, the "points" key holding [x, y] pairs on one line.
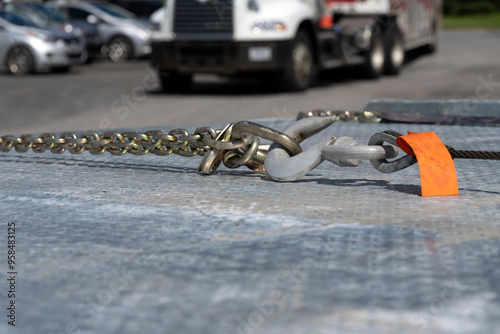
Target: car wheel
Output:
{"points": [[300, 66], [394, 50], [176, 83], [120, 49], [374, 58], [20, 61]]}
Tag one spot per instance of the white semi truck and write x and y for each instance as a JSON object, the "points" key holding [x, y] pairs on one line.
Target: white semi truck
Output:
{"points": [[289, 40]]}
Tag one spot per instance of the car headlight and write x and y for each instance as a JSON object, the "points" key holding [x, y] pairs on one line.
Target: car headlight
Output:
{"points": [[144, 33], [270, 25], [41, 36], [69, 28]]}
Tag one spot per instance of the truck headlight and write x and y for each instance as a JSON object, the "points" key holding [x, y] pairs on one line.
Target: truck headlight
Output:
{"points": [[270, 25]]}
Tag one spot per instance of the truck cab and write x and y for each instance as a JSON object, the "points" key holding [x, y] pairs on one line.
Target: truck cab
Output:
{"points": [[287, 41], [232, 37]]}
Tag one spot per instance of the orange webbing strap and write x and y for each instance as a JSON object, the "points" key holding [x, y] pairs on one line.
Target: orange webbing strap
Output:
{"points": [[437, 170]]}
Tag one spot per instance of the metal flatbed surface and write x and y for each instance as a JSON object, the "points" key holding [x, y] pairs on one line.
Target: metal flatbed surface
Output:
{"points": [[147, 245]]}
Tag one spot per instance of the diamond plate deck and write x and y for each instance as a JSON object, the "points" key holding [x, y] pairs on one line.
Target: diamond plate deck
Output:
{"points": [[145, 244]]}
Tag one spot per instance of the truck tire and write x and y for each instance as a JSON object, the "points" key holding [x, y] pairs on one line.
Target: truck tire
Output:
{"points": [[374, 58], [176, 83], [394, 50], [300, 66]]}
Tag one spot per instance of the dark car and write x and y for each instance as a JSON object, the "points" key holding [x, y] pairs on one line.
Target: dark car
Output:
{"points": [[46, 17], [142, 9], [125, 36]]}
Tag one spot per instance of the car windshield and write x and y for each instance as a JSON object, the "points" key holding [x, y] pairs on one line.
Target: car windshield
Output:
{"points": [[38, 13], [113, 10], [17, 20], [45, 13]]}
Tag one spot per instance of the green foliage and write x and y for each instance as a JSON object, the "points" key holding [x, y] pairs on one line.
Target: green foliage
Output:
{"points": [[484, 21], [464, 7]]}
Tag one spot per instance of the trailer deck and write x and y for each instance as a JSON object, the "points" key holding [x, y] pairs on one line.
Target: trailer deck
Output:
{"points": [[146, 244]]}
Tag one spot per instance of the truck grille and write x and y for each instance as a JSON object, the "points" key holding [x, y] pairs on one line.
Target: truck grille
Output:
{"points": [[210, 18]]}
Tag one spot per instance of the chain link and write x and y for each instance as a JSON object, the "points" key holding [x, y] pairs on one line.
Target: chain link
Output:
{"points": [[237, 151], [177, 141], [344, 115]]}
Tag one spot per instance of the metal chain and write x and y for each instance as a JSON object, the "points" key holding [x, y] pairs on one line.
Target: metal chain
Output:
{"points": [[235, 146], [177, 141], [344, 115]]}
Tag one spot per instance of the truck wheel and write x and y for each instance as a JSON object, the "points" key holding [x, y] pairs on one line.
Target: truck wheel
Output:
{"points": [[300, 66], [394, 50], [176, 83], [375, 58], [20, 61]]}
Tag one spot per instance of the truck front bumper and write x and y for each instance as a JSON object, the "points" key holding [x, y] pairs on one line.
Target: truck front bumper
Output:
{"points": [[219, 57]]}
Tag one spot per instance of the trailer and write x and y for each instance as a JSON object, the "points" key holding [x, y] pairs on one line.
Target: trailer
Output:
{"points": [[289, 41]]}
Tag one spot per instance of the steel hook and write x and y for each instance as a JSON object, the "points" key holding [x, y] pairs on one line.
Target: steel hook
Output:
{"points": [[342, 151], [280, 166]]}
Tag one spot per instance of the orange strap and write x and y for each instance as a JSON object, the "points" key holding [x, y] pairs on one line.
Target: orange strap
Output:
{"points": [[437, 170]]}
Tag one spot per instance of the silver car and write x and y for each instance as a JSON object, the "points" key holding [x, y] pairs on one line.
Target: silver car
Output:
{"points": [[25, 48], [46, 17], [124, 35]]}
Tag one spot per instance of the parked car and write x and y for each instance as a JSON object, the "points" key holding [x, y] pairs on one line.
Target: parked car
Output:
{"points": [[46, 17], [141, 8], [124, 35], [25, 47]]}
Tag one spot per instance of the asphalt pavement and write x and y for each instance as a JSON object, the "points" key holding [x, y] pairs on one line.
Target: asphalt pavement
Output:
{"points": [[127, 95]]}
